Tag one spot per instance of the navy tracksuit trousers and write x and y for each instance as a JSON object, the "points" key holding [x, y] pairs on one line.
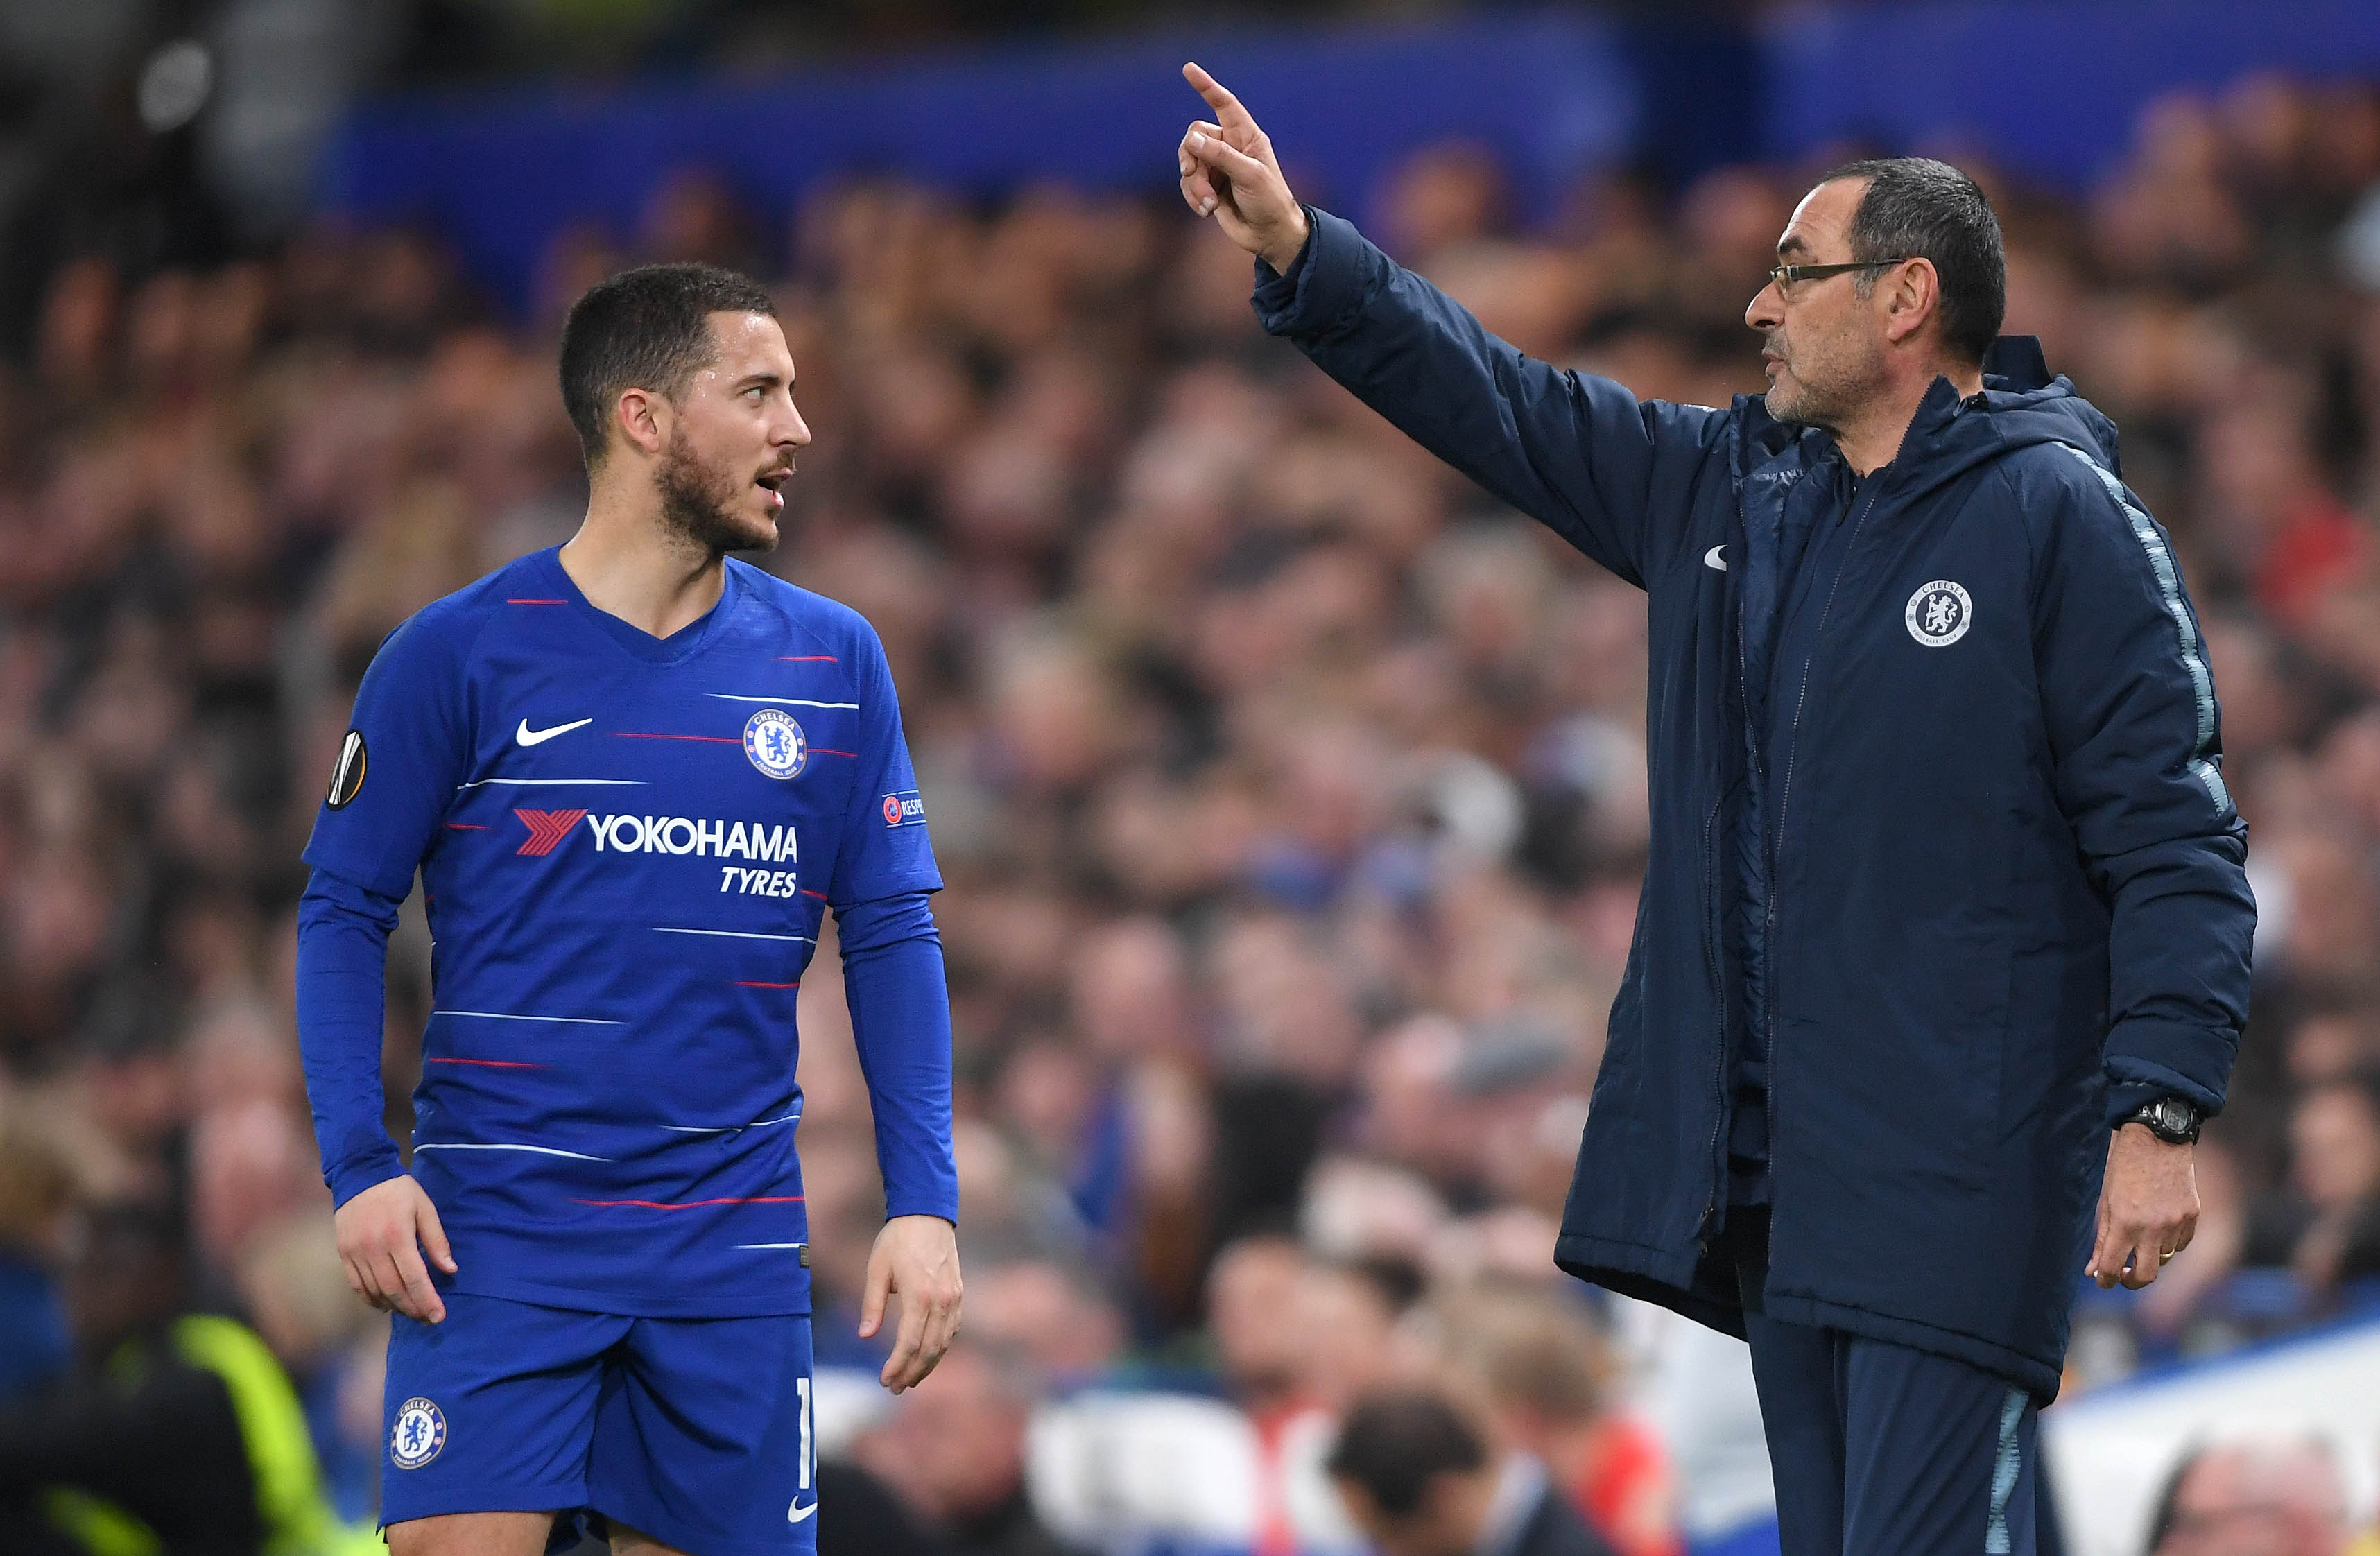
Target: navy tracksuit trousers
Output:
{"points": [[1880, 1450]]}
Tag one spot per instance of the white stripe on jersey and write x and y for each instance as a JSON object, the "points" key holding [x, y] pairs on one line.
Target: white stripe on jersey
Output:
{"points": [[542, 1150], [726, 1128], [621, 783], [731, 934], [788, 701]]}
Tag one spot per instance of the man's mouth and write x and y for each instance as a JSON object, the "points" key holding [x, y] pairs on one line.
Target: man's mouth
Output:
{"points": [[773, 483]]}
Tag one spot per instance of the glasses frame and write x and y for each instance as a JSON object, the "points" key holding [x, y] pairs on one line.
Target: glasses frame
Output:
{"points": [[1784, 276]]}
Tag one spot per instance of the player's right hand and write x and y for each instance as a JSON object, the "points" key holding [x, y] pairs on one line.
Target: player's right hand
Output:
{"points": [[382, 1233], [1229, 172]]}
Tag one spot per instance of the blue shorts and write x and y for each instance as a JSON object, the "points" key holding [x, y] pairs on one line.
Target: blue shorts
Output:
{"points": [[696, 1432]]}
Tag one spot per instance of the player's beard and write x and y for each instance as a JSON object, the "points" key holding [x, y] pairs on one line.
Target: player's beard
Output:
{"points": [[699, 503]]}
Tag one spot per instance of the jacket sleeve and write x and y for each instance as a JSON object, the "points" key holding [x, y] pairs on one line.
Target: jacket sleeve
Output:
{"points": [[1608, 472], [2134, 731]]}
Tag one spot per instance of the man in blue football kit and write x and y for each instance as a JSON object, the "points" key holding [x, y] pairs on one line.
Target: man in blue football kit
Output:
{"points": [[633, 775]]}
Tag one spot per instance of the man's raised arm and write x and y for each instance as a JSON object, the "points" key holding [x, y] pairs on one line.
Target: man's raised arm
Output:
{"points": [[1581, 454]]}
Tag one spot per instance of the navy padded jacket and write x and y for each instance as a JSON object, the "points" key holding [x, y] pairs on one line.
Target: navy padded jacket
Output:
{"points": [[2009, 899]]}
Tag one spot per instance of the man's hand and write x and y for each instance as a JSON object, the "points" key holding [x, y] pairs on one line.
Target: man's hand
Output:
{"points": [[1229, 172], [381, 1235], [2148, 1209], [915, 1258]]}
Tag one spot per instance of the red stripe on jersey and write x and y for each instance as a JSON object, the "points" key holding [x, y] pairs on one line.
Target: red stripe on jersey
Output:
{"points": [[692, 1204], [808, 893], [822, 751], [746, 983], [536, 601], [807, 659], [465, 826], [488, 1064], [719, 739]]}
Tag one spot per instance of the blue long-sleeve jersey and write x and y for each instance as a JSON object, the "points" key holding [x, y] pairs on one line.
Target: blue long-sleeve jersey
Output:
{"points": [[627, 846]]}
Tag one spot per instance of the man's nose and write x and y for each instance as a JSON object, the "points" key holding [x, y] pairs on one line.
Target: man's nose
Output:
{"points": [[1766, 309], [796, 431]]}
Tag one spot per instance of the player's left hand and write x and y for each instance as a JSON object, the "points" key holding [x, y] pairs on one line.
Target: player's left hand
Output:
{"points": [[2148, 1207], [916, 1259]]}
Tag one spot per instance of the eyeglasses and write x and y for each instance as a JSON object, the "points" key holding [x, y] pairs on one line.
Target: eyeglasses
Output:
{"points": [[1785, 277]]}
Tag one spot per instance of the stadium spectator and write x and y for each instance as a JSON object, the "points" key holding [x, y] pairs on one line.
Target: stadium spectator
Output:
{"points": [[1548, 1378], [2327, 1227], [1420, 1480], [36, 1192], [178, 1428], [2263, 1498], [956, 1451]]}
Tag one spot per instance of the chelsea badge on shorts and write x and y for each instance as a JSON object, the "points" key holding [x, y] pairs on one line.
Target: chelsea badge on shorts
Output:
{"points": [[774, 743], [419, 1433]]}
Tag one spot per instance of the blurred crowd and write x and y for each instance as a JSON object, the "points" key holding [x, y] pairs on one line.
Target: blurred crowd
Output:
{"points": [[1289, 794]]}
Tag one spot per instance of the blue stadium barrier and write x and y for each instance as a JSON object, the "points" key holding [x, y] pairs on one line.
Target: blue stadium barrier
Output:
{"points": [[2050, 87], [502, 173]]}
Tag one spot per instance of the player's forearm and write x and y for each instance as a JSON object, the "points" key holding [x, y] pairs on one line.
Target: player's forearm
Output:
{"points": [[900, 1019], [342, 933]]}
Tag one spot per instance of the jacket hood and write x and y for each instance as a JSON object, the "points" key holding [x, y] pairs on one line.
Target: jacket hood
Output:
{"points": [[2022, 404]]}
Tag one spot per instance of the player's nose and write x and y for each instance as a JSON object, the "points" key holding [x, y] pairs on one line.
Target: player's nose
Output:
{"points": [[794, 429]]}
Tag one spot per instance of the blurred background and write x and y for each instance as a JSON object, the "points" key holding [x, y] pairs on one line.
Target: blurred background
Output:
{"points": [[1290, 791]]}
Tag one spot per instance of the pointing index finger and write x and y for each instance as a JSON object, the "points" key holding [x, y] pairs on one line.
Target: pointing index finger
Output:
{"points": [[1227, 107]]}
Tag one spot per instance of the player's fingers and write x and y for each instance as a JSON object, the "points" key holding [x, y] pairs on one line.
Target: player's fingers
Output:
{"points": [[1219, 97], [387, 1285], [879, 1287], [900, 1367], [427, 1227], [359, 1286], [419, 1298]]}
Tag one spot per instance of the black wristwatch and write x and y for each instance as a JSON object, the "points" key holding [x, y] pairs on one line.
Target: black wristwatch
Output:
{"points": [[2174, 1120]]}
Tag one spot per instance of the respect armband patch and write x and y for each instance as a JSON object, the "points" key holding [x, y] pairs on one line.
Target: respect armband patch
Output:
{"points": [[903, 809]]}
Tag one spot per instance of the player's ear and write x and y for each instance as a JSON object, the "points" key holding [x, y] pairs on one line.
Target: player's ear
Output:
{"points": [[644, 419]]}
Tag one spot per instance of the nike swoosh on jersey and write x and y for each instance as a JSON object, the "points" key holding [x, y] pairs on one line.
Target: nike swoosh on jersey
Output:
{"points": [[529, 736], [1712, 558], [797, 1513]]}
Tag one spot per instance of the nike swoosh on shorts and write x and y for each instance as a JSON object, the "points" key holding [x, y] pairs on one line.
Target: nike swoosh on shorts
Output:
{"points": [[1712, 558], [529, 736]]}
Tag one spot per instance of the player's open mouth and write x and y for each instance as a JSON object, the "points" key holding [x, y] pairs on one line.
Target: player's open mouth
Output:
{"points": [[773, 483]]}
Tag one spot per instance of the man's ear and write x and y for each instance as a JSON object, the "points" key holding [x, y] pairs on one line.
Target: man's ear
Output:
{"points": [[1912, 294], [644, 419]]}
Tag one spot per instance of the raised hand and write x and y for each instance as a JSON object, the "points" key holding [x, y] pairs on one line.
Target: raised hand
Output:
{"points": [[1229, 172]]}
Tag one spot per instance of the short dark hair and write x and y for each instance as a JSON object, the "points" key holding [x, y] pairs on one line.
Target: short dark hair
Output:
{"points": [[1915, 207], [1393, 1443], [646, 328]]}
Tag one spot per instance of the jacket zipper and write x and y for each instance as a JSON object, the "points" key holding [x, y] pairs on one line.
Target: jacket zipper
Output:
{"points": [[1718, 996], [1784, 799]]}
